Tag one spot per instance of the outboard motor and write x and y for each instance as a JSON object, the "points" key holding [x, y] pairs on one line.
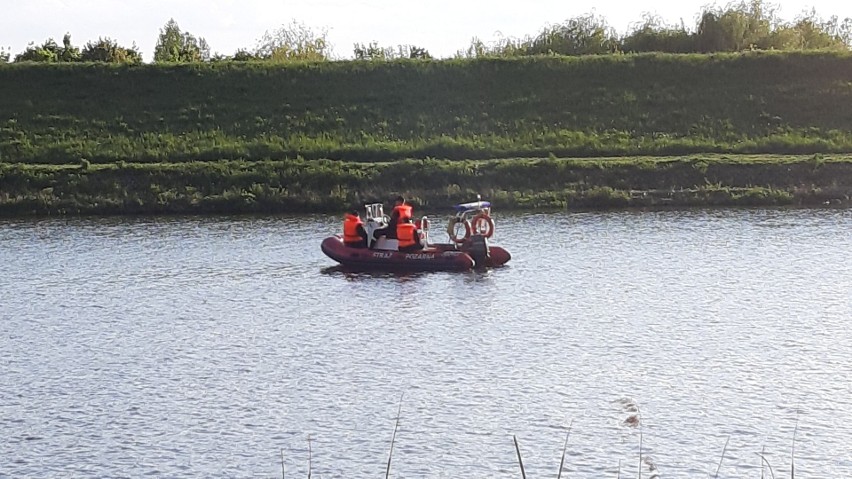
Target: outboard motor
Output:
{"points": [[478, 250]]}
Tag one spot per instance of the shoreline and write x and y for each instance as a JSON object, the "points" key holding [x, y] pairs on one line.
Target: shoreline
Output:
{"points": [[324, 186]]}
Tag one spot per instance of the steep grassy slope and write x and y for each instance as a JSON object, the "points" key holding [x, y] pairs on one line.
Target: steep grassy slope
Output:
{"points": [[362, 111]]}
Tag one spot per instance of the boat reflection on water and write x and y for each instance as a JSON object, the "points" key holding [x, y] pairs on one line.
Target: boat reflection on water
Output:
{"points": [[357, 274]]}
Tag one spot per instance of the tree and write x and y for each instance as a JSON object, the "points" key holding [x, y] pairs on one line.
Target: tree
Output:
{"points": [[583, 35], [243, 56], [844, 30], [109, 51], [654, 35], [292, 42], [818, 34], [373, 51], [739, 27], [4, 55], [48, 52], [418, 52], [175, 46], [502, 47], [476, 49], [69, 53]]}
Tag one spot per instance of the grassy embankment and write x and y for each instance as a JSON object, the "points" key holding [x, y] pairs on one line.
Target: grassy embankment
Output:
{"points": [[331, 186], [249, 137]]}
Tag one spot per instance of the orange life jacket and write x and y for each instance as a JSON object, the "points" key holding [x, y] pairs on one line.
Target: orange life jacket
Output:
{"points": [[406, 234], [350, 229], [403, 213]]}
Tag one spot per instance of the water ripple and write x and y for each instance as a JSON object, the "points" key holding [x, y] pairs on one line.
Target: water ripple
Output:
{"points": [[206, 346]]}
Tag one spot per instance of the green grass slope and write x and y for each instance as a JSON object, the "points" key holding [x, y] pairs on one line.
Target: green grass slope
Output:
{"points": [[298, 185], [457, 109]]}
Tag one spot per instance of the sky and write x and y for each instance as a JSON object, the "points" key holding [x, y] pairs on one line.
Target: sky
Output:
{"points": [[441, 26]]}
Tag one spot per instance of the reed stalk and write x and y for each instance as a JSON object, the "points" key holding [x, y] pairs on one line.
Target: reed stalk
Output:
{"points": [[793, 449], [564, 448], [520, 460], [310, 456], [771, 472], [282, 463], [639, 415], [722, 458], [393, 437]]}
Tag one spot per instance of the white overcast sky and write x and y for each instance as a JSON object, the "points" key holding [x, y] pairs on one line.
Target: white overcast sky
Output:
{"points": [[441, 26]]}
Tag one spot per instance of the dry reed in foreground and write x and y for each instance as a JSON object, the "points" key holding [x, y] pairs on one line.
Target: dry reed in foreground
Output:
{"points": [[633, 420]]}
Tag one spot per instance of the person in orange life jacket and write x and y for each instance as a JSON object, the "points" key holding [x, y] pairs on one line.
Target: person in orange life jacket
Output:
{"points": [[408, 236], [401, 211], [354, 234]]}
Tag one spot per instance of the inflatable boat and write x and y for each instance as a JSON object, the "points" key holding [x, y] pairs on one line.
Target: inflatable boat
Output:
{"points": [[470, 231]]}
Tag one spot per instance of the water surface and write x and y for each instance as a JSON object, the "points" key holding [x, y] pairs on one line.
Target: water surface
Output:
{"points": [[207, 346]]}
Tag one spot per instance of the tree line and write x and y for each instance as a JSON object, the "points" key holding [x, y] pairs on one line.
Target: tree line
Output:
{"points": [[752, 25]]}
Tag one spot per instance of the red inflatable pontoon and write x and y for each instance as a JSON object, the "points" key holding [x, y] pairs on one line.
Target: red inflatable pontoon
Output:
{"points": [[469, 247]]}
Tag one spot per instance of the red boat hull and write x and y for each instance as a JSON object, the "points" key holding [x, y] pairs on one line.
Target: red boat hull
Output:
{"points": [[439, 257]]}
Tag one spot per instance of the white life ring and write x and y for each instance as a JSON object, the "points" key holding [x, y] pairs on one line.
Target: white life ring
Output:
{"points": [[483, 225], [454, 231]]}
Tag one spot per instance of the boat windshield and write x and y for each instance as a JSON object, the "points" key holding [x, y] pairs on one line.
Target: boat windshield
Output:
{"points": [[472, 206]]}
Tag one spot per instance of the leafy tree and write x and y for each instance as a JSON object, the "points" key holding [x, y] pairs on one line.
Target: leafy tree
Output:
{"points": [[739, 27], [243, 56], [418, 52], [68, 53], [844, 30], [175, 46], [654, 35], [754, 25], [584, 35], [48, 52], [476, 49], [295, 41], [814, 33], [372, 51], [4, 55], [109, 51], [502, 47]]}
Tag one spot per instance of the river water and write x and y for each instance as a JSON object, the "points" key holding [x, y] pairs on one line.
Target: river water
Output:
{"points": [[215, 347]]}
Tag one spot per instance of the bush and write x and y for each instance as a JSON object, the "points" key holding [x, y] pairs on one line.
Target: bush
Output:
{"points": [[295, 41], [109, 51]]}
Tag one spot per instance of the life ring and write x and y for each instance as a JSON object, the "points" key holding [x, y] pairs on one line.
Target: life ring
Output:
{"points": [[483, 225], [454, 232]]}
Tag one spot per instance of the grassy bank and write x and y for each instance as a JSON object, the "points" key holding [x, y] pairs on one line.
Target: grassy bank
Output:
{"points": [[591, 106], [330, 186]]}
